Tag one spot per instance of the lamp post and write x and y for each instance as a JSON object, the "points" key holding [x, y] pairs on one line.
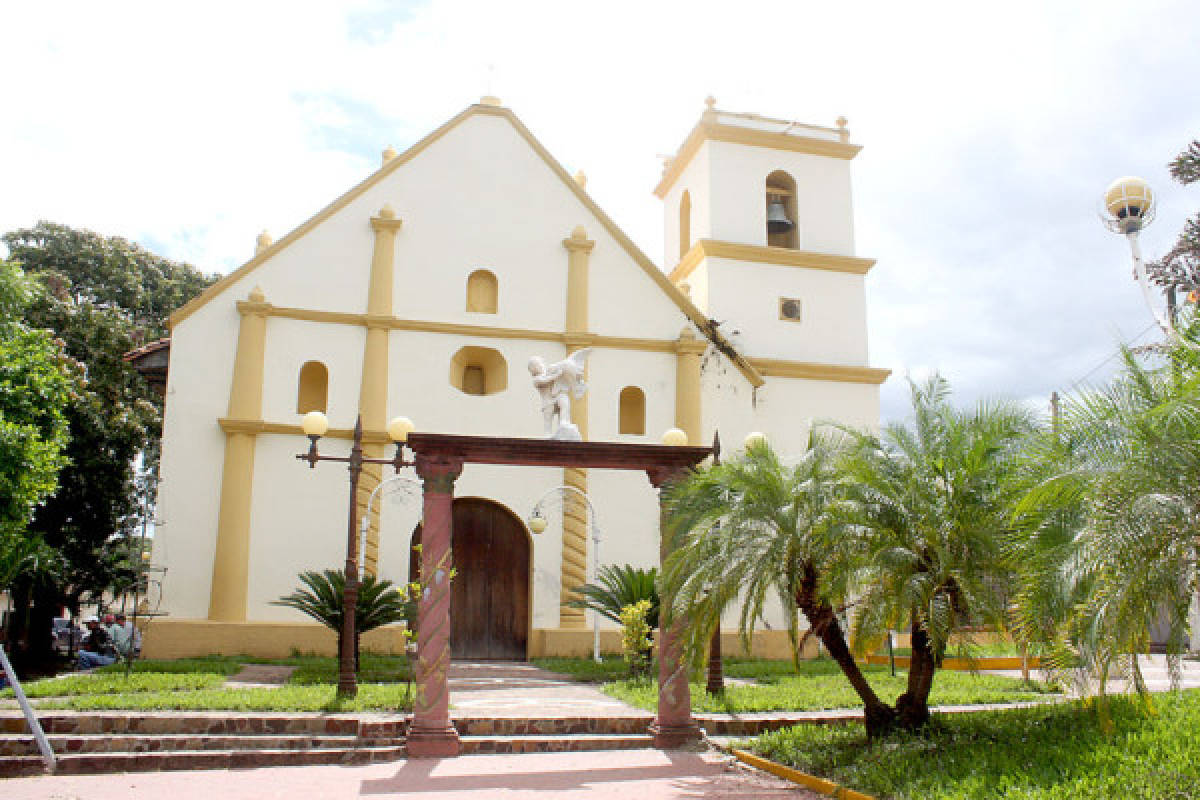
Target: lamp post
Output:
{"points": [[1128, 208], [314, 426], [537, 524]]}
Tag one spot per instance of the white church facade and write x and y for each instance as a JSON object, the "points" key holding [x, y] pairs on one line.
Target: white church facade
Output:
{"points": [[382, 305]]}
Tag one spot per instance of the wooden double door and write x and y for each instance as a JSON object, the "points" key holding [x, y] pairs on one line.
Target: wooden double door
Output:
{"points": [[489, 596]]}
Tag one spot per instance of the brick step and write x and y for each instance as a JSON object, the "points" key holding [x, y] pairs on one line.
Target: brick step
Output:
{"points": [[65, 743], [532, 743], [212, 723], [95, 763], [552, 726]]}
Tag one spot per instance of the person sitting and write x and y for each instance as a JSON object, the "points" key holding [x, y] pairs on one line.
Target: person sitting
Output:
{"points": [[126, 639], [96, 646]]}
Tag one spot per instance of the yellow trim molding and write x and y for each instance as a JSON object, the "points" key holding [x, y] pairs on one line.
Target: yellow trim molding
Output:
{"points": [[781, 256], [256, 426], [707, 130], [373, 389], [689, 349], [648, 267], [231, 558], [779, 368], [571, 339]]}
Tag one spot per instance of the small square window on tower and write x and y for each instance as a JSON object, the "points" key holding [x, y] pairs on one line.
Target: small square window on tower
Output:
{"points": [[790, 309]]}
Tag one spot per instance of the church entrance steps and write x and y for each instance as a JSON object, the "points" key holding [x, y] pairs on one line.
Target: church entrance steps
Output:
{"points": [[244, 757], [105, 742]]}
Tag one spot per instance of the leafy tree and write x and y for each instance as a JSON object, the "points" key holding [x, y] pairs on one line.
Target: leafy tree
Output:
{"points": [[617, 587], [379, 603], [1180, 267], [108, 272], [1123, 469], [104, 296], [37, 381], [928, 506], [754, 528]]}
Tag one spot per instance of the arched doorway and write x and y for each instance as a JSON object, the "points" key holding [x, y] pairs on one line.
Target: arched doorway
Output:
{"points": [[489, 596]]}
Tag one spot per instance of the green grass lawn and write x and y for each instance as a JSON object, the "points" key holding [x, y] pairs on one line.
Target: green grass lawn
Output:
{"points": [[372, 668], [819, 684], [371, 697], [1055, 752], [612, 668], [197, 683], [108, 683]]}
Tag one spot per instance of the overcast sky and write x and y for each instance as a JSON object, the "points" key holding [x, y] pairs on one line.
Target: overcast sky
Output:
{"points": [[989, 132]]}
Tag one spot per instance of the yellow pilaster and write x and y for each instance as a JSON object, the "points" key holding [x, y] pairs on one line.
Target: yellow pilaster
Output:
{"points": [[688, 351], [574, 545], [372, 400], [231, 561]]}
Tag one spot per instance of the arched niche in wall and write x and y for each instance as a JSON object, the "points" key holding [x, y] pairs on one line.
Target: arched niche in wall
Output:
{"points": [[631, 411], [478, 370], [312, 390], [782, 229], [483, 291], [685, 223]]}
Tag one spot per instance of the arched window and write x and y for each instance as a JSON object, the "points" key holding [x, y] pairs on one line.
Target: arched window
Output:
{"points": [[782, 228], [685, 223], [478, 370], [631, 416], [312, 391], [482, 291]]}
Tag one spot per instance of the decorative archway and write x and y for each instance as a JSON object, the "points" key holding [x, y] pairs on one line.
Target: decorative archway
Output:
{"points": [[490, 594], [439, 460]]}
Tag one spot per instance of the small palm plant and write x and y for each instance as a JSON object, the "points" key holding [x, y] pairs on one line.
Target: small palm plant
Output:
{"points": [[379, 603], [617, 587]]}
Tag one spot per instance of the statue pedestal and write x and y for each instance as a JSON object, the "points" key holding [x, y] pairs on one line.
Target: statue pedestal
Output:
{"points": [[567, 432]]}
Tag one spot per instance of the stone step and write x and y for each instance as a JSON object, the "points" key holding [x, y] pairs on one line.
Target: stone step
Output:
{"points": [[532, 743], [95, 763], [633, 724], [213, 723], [65, 743]]}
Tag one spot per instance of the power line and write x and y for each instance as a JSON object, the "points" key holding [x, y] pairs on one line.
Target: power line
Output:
{"points": [[1075, 383]]}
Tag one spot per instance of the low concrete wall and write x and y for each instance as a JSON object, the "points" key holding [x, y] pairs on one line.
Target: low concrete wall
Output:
{"points": [[187, 638]]}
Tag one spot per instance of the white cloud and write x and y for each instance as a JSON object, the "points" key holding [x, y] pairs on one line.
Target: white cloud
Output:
{"points": [[989, 130]]}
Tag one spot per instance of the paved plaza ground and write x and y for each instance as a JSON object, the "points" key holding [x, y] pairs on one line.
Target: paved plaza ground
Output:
{"points": [[626, 774]]}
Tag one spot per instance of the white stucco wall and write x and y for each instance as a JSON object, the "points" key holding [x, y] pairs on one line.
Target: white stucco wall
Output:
{"points": [[833, 326], [477, 197], [737, 181], [695, 180]]}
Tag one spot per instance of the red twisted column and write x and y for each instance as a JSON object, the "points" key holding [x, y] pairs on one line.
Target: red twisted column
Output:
{"points": [[431, 733], [673, 726]]}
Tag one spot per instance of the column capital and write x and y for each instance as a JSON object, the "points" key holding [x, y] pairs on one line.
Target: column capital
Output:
{"points": [[378, 321], [574, 340], [438, 472], [578, 241], [661, 476], [689, 343], [386, 220], [254, 307]]}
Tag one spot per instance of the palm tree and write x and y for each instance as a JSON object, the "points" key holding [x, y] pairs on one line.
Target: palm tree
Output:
{"points": [[379, 603], [1124, 465], [753, 528], [928, 507], [617, 587]]}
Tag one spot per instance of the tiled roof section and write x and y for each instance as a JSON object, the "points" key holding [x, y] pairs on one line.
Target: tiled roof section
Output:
{"points": [[146, 349]]}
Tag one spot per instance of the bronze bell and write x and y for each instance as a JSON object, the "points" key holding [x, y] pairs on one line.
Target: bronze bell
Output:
{"points": [[777, 219]]}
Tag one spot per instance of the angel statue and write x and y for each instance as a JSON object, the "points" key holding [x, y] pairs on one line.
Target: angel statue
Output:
{"points": [[556, 384]]}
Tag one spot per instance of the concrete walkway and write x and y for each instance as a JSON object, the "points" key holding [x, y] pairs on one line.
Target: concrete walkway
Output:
{"points": [[515, 689], [649, 774]]}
